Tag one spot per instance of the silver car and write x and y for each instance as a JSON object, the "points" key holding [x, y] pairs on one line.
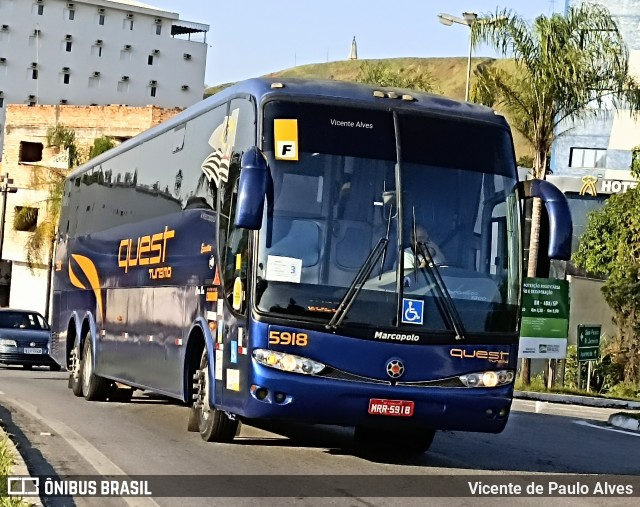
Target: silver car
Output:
{"points": [[25, 337]]}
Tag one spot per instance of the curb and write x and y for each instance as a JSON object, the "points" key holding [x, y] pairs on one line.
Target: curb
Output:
{"points": [[578, 400], [19, 467], [623, 421], [618, 420]]}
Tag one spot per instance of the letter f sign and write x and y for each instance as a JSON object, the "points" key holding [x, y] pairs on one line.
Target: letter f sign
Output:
{"points": [[287, 150], [285, 135]]}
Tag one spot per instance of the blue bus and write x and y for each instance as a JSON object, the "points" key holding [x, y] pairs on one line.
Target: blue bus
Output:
{"points": [[315, 251]]}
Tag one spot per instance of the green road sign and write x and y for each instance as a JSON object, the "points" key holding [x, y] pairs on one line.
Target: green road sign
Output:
{"points": [[588, 342], [545, 318]]}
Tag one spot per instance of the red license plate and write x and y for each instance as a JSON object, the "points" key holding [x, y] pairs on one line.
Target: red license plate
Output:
{"points": [[398, 408]]}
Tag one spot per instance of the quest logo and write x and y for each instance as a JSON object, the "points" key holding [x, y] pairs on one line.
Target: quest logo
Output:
{"points": [[147, 251]]}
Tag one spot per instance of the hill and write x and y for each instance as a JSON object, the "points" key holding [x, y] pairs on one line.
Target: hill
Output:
{"points": [[449, 76]]}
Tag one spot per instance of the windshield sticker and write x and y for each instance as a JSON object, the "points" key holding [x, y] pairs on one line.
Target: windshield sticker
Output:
{"points": [[285, 135], [216, 166], [283, 269], [412, 311]]}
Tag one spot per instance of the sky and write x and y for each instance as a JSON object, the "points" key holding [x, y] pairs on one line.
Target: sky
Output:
{"points": [[251, 38]]}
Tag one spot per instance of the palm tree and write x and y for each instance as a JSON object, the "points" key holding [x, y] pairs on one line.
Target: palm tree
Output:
{"points": [[566, 69]]}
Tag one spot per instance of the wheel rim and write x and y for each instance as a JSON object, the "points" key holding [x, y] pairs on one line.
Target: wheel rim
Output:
{"points": [[203, 393], [87, 369]]}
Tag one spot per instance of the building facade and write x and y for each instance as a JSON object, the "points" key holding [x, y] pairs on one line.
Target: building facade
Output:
{"points": [[21, 285], [604, 142], [98, 52]]}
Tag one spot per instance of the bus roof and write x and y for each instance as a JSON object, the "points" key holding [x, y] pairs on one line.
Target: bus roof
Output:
{"points": [[356, 94]]}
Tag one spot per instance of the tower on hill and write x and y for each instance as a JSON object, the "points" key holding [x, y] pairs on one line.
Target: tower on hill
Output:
{"points": [[353, 55]]}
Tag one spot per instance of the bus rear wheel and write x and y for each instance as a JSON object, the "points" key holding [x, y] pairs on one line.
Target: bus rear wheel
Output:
{"points": [[75, 372], [405, 441], [94, 388], [213, 425]]}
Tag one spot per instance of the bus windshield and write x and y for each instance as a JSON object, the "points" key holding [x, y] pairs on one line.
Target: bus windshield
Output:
{"points": [[359, 175]]}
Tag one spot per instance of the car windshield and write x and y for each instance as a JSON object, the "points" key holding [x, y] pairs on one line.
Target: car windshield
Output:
{"points": [[22, 320], [332, 206]]}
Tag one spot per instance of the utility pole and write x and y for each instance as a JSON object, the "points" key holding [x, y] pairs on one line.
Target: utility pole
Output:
{"points": [[5, 188]]}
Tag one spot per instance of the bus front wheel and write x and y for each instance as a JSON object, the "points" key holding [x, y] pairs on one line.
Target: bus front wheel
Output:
{"points": [[213, 425], [408, 441]]}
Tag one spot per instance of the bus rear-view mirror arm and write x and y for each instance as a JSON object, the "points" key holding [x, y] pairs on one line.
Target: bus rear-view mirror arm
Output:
{"points": [[560, 223], [252, 189]]}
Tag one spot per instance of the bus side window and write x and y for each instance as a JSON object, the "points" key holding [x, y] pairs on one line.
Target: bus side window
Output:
{"points": [[234, 242]]}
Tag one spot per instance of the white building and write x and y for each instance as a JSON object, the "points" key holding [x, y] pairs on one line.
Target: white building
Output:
{"points": [[98, 52]]}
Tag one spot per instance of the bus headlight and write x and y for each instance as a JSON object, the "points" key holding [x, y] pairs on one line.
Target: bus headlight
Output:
{"points": [[7, 343], [487, 378], [287, 362]]}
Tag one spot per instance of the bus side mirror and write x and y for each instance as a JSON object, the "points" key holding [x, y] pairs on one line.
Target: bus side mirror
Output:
{"points": [[252, 188], [560, 223]]}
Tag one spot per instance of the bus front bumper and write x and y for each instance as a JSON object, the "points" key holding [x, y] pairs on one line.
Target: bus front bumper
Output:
{"points": [[279, 395]]}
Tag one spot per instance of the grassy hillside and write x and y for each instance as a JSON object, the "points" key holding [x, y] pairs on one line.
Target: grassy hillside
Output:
{"points": [[449, 75]]}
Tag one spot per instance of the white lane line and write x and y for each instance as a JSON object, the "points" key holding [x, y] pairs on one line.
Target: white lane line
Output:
{"points": [[102, 464], [585, 423]]}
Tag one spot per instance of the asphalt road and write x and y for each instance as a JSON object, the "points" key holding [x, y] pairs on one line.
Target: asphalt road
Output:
{"points": [[62, 434]]}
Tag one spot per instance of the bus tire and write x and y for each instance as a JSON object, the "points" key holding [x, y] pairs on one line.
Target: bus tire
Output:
{"points": [[213, 425], [75, 372], [94, 388], [408, 441]]}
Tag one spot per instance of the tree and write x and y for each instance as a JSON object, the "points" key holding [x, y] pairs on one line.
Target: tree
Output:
{"points": [[566, 68], [381, 74], [610, 247]]}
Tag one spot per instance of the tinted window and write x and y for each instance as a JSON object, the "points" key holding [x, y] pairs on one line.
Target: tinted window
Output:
{"points": [[22, 320]]}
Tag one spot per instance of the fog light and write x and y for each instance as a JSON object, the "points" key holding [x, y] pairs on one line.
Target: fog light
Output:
{"points": [[280, 397], [489, 412], [503, 412], [262, 393]]}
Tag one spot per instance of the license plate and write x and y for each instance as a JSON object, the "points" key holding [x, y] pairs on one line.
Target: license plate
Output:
{"points": [[398, 408], [28, 350]]}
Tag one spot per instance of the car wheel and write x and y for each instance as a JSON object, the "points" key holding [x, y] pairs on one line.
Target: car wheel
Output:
{"points": [[55, 367], [94, 388], [214, 425]]}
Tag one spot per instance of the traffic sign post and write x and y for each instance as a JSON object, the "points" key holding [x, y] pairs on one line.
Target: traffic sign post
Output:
{"points": [[588, 348]]}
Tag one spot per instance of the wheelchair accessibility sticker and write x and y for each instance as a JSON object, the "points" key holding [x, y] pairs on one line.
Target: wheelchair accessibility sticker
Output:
{"points": [[412, 311]]}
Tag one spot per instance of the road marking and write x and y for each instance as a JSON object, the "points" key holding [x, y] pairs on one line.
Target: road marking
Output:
{"points": [[102, 464], [585, 423]]}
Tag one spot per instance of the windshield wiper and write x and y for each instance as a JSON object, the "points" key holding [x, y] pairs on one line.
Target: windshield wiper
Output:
{"points": [[358, 282], [448, 306]]}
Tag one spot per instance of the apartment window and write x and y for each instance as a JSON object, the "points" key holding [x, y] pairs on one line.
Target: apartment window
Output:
{"points": [[40, 9], [587, 157], [28, 218], [34, 73], [101, 19], [153, 91], [150, 59], [72, 14], [30, 152], [66, 78], [158, 29], [1, 102], [68, 46]]}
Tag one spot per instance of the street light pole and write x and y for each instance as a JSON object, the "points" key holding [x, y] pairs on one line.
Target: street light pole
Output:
{"points": [[6, 188], [468, 19]]}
